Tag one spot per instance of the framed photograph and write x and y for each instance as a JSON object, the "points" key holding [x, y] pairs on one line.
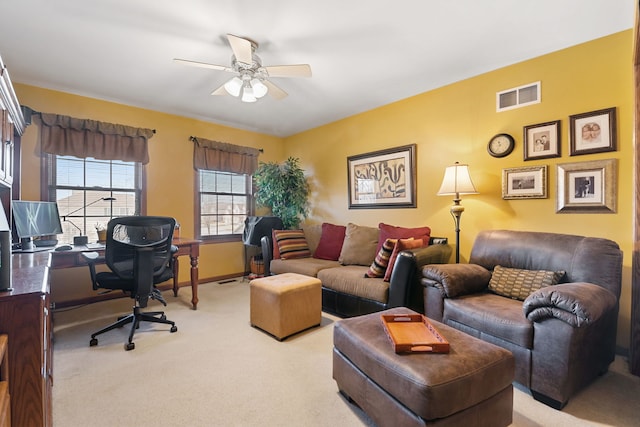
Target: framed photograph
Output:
{"points": [[587, 187], [542, 141], [593, 132], [524, 183], [383, 179]]}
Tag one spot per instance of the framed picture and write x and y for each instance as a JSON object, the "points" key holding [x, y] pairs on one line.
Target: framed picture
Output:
{"points": [[525, 183], [593, 132], [383, 179], [587, 187], [542, 141]]}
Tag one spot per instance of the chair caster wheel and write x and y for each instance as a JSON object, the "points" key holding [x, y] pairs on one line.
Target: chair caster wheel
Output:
{"points": [[129, 346], [163, 317], [93, 342], [174, 328]]}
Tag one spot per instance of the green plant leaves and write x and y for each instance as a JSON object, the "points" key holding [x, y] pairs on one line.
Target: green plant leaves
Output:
{"points": [[283, 188]]}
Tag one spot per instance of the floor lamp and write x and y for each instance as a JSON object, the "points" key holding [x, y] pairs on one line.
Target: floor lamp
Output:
{"points": [[457, 181]]}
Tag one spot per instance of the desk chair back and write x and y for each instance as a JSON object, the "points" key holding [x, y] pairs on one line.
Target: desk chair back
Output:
{"points": [[139, 250]]}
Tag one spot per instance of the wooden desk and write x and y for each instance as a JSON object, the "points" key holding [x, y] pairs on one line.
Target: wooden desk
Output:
{"points": [[190, 247]]}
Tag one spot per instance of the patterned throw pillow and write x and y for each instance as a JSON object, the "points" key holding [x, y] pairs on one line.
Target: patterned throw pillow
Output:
{"points": [[519, 284], [379, 265], [291, 244], [402, 245]]}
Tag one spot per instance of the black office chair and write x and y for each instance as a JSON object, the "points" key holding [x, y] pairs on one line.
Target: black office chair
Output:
{"points": [[139, 254]]}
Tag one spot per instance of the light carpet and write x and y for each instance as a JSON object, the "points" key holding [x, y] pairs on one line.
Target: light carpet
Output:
{"points": [[217, 370]]}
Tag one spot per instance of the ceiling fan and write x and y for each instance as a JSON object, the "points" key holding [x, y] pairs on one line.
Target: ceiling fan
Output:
{"points": [[252, 79]]}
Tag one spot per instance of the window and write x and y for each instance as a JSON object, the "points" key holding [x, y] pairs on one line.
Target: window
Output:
{"points": [[225, 200], [90, 192]]}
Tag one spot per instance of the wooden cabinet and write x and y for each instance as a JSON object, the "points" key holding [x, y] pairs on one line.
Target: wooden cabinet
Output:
{"points": [[5, 398], [25, 319], [11, 122], [24, 310]]}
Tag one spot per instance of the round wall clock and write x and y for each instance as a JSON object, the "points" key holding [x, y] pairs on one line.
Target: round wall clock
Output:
{"points": [[501, 145]]}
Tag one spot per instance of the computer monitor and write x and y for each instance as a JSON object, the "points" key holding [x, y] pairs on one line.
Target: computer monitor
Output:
{"points": [[35, 219]]}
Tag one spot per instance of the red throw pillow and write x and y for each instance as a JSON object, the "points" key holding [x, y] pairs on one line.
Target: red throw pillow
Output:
{"points": [[330, 243], [401, 245], [392, 232]]}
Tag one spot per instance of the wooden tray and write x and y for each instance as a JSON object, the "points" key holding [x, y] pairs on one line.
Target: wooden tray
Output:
{"points": [[413, 333]]}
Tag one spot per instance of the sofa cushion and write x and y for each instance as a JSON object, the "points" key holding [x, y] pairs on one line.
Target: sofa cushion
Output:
{"points": [[491, 314], [292, 244], [359, 246], [350, 279], [330, 242], [392, 232], [401, 245], [312, 232], [380, 263], [519, 284], [306, 266]]}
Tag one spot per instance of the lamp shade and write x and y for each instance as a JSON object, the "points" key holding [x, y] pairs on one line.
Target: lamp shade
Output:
{"points": [[457, 181], [259, 89], [233, 86]]}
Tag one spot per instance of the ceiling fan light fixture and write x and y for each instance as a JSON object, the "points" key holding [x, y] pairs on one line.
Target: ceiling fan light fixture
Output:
{"points": [[233, 86], [247, 93], [259, 88]]}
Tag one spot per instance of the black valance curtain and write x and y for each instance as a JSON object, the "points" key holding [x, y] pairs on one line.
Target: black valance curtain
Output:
{"points": [[69, 136], [221, 156]]}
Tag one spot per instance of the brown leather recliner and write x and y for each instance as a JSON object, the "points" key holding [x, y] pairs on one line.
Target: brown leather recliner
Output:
{"points": [[562, 336]]}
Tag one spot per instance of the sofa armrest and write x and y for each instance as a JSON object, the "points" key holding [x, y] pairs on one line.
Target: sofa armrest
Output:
{"points": [[267, 254], [406, 270], [456, 279], [577, 304]]}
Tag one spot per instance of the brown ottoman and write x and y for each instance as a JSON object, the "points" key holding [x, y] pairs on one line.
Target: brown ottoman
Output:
{"points": [[285, 304], [469, 386]]}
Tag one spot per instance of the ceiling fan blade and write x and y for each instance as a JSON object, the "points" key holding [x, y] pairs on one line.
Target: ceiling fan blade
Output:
{"points": [[297, 70], [274, 90], [241, 49], [220, 91], [202, 65]]}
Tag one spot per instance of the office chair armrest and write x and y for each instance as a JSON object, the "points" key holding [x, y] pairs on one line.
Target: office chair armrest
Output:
{"points": [[92, 258]]}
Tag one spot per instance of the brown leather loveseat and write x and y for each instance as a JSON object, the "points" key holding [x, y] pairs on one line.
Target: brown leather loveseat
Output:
{"points": [[562, 335]]}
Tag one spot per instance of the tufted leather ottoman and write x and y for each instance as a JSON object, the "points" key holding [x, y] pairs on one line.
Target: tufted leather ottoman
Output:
{"points": [[469, 386], [285, 303]]}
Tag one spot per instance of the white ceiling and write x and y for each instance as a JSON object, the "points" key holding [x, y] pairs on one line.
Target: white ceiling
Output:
{"points": [[363, 53]]}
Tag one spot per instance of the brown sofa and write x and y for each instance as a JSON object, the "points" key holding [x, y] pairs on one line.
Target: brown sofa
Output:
{"points": [[345, 290], [562, 336]]}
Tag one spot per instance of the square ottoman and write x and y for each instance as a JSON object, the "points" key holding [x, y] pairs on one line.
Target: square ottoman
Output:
{"points": [[285, 304], [469, 386]]}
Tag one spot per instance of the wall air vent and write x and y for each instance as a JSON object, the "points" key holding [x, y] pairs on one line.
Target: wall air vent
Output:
{"points": [[518, 97]]}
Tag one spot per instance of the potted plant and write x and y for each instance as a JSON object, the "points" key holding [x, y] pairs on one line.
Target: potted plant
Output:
{"points": [[283, 188]]}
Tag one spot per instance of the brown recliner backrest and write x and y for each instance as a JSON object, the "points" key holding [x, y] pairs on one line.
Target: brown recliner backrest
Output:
{"points": [[584, 259]]}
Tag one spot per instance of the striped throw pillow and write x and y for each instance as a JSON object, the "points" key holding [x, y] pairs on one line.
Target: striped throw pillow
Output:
{"points": [[380, 263], [291, 244]]}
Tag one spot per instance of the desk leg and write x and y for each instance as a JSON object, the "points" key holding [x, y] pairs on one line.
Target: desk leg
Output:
{"points": [[194, 282], [176, 269]]}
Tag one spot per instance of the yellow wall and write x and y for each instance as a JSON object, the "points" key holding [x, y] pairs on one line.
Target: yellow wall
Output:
{"points": [[170, 174], [454, 123]]}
